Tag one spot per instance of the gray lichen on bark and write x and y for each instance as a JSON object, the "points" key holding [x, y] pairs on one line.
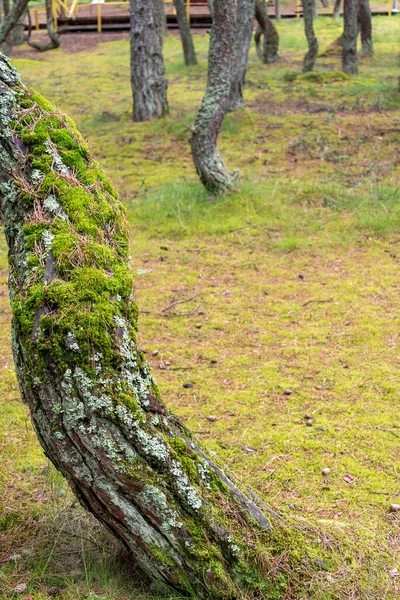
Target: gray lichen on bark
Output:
{"points": [[266, 36], [189, 51], [311, 55], [350, 33]]}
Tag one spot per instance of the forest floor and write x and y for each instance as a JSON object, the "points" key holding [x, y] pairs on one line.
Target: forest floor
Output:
{"points": [[286, 303]]}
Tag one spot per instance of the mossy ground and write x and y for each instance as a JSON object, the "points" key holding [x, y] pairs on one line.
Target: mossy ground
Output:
{"points": [[294, 286]]}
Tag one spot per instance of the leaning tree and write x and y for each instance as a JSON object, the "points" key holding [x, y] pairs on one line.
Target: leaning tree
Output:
{"points": [[244, 32], [149, 84], [266, 36], [189, 52], [93, 401], [209, 165], [311, 55]]}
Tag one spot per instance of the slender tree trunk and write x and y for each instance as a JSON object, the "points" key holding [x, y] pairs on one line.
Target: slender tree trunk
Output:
{"points": [[268, 52], [210, 4], [311, 56], [162, 17], [11, 20], [244, 31], [7, 39], [94, 404], [336, 10], [350, 32], [315, 9], [278, 10], [365, 25], [209, 164], [149, 85], [19, 30], [189, 52], [53, 34]]}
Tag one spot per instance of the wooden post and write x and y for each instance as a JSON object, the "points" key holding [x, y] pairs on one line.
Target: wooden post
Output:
{"points": [[188, 10], [99, 23], [278, 10], [36, 17], [390, 8], [298, 9], [54, 11]]}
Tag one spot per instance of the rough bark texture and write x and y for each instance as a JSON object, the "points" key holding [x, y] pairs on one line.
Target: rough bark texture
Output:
{"points": [[350, 32], [336, 9], [311, 55], [278, 10], [7, 39], [162, 17], [244, 31], [365, 25], [19, 30], [210, 4], [268, 50], [8, 24], [53, 34], [149, 85], [189, 52], [209, 164], [94, 404]]}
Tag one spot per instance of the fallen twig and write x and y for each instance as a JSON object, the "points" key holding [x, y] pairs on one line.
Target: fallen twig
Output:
{"points": [[320, 301], [180, 301], [383, 429]]}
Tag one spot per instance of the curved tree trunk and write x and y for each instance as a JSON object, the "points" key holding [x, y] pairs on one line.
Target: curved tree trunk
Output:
{"points": [[350, 32], [189, 52], [17, 10], [336, 10], [149, 85], [53, 34], [94, 404], [365, 25], [244, 30], [209, 164], [311, 56], [7, 39], [268, 51]]}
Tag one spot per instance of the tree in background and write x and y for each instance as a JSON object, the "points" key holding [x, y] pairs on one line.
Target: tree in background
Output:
{"points": [[350, 32], [189, 51], [149, 84], [311, 55], [208, 162], [365, 26], [244, 32], [266, 30], [53, 34]]}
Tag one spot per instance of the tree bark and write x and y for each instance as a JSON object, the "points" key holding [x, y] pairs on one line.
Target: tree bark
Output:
{"points": [[53, 34], [94, 404], [244, 31], [336, 10], [162, 17], [189, 52], [311, 55], [365, 25], [350, 32], [149, 85], [209, 164], [278, 10], [19, 30], [11, 20], [7, 41], [268, 51], [210, 4]]}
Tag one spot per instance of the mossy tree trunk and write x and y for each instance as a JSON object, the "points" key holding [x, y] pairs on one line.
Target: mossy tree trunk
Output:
{"points": [[267, 51], [94, 404], [244, 31], [149, 84], [189, 52], [349, 40], [365, 25], [311, 55], [209, 164]]}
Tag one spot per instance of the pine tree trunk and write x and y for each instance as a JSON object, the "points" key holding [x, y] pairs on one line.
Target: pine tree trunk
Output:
{"points": [[336, 10], [162, 17], [149, 85], [278, 10], [209, 164], [189, 52], [365, 25], [19, 30], [311, 55], [210, 4], [6, 40], [18, 8], [53, 34], [93, 401], [350, 32], [268, 51], [244, 31]]}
